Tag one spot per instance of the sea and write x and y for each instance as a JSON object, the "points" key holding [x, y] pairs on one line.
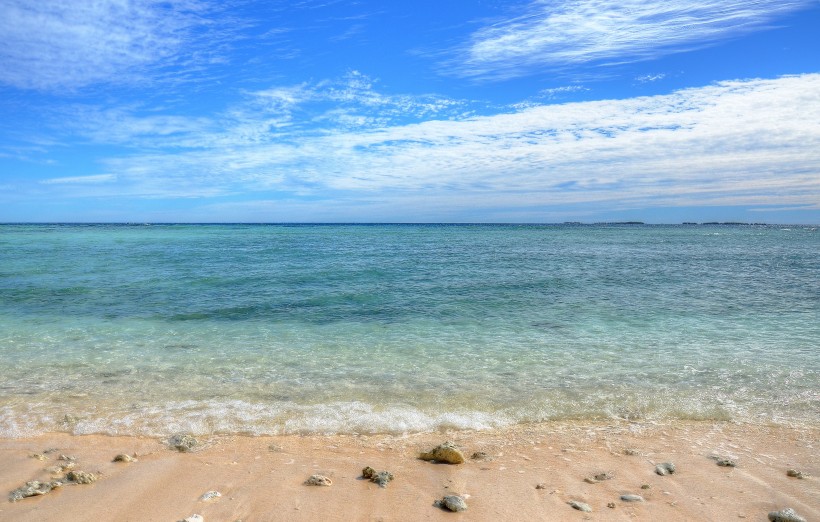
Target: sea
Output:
{"points": [[309, 329]]}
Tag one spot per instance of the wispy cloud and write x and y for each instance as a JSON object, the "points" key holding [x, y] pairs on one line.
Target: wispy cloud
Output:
{"points": [[80, 180], [753, 142], [557, 34], [53, 45]]}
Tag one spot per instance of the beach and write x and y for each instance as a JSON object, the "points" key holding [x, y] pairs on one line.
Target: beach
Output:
{"points": [[526, 472]]}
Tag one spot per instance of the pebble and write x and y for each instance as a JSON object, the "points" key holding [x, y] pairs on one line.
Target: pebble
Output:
{"points": [[122, 457], [727, 463], [646, 486], [183, 442], [580, 506], [599, 477], [210, 495], [631, 451], [610, 505], [542, 485], [38, 456], [447, 452], [632, 498], [67, 458], [665, 468], [452, 503], [785, 515], [480, 455], [795, 473], [193, 518], [318, 480]]}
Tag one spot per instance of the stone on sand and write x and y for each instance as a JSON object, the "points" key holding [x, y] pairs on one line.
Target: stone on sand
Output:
{"points": [[665, 468], [81, 477], [795, 473], [632, 498], [318, 480], [379, 477], [580, 506], [447, 452], [33, 488], [452, 503], [183, 442], [123, 457], [785, 515]]}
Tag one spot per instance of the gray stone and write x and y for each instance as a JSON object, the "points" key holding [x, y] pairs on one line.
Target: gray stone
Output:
{"points": [[33, 488], [210, 495], [599, 477], [632, 498], [183, 442], [381, 477], [665, 468], [631, 451], [318, 480], [452, 503], [480, 455], [727, 463], [795, 473], [580, 506], [785, 515], [193, 518], [447, 452]]}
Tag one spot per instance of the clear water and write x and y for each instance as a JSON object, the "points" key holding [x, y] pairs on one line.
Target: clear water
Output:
{"points": [[395, 328]]}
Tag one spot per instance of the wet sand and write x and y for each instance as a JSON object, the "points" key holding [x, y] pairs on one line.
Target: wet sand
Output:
{"points": [[528, 472]]}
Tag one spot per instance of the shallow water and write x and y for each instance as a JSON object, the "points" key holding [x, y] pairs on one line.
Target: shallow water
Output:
{"points": [[392, 328]]}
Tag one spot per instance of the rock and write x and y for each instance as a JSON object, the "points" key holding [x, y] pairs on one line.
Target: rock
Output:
{"points": [[542, 485], [67, 458], [81, 477], [795, 473], [38, 456], [646, 486], [193, 518], [183, 442], [452, 503], [785, 515], [631, 451], [122, 457], [727, 463], [480, 455], [632, 498], [598, 477], [666, 468], [610, 505], [60, 469], [447, 452], [210, 495], [381, 478], [318, 480], [33, 488], [580, 506]]}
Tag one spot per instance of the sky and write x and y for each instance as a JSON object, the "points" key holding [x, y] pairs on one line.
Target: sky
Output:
{"points": [[381, 111]]}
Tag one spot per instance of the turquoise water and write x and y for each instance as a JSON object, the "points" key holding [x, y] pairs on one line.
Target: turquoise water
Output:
{"points": [[397, 328]]}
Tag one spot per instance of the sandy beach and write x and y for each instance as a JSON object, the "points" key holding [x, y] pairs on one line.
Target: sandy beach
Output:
{"points": [[528, 472]]}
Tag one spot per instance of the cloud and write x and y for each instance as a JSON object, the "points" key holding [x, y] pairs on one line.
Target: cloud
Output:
{"points": [[560, 34], [753, 142], [53, 45], [80, 180]]}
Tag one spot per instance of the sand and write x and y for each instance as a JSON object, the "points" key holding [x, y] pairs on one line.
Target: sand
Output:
{"points": [[530, 472]]}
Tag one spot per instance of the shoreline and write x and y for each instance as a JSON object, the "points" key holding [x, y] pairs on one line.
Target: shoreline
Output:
{"points": [[525, 472]]}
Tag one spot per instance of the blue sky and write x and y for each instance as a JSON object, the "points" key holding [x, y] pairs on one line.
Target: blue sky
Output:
{"points": [[381, 111]]}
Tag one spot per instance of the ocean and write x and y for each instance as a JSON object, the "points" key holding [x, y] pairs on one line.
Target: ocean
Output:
{"points": [[269, 329]]}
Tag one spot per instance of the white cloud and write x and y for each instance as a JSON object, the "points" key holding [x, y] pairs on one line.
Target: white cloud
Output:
{"points": [[752, 142], [80, 180], [54, 45], [555, 34]]}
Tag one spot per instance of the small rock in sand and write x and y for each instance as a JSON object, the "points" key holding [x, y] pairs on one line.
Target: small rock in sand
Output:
{"points": [[122, 457], [210, 495], [451, 503], [33, 488], [480, 455], [795, 473], [632, 498], [38, 456], [193, 518], [599, 477], [447, 452], [631, 451], [727, 463], [542, 485], [381, 477], [785, 515], [81, 477], [67, 458], [580, 506], [665, 468], [610, 505], [183, 442], [60, 469], [646, 486], [318, 480]]}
